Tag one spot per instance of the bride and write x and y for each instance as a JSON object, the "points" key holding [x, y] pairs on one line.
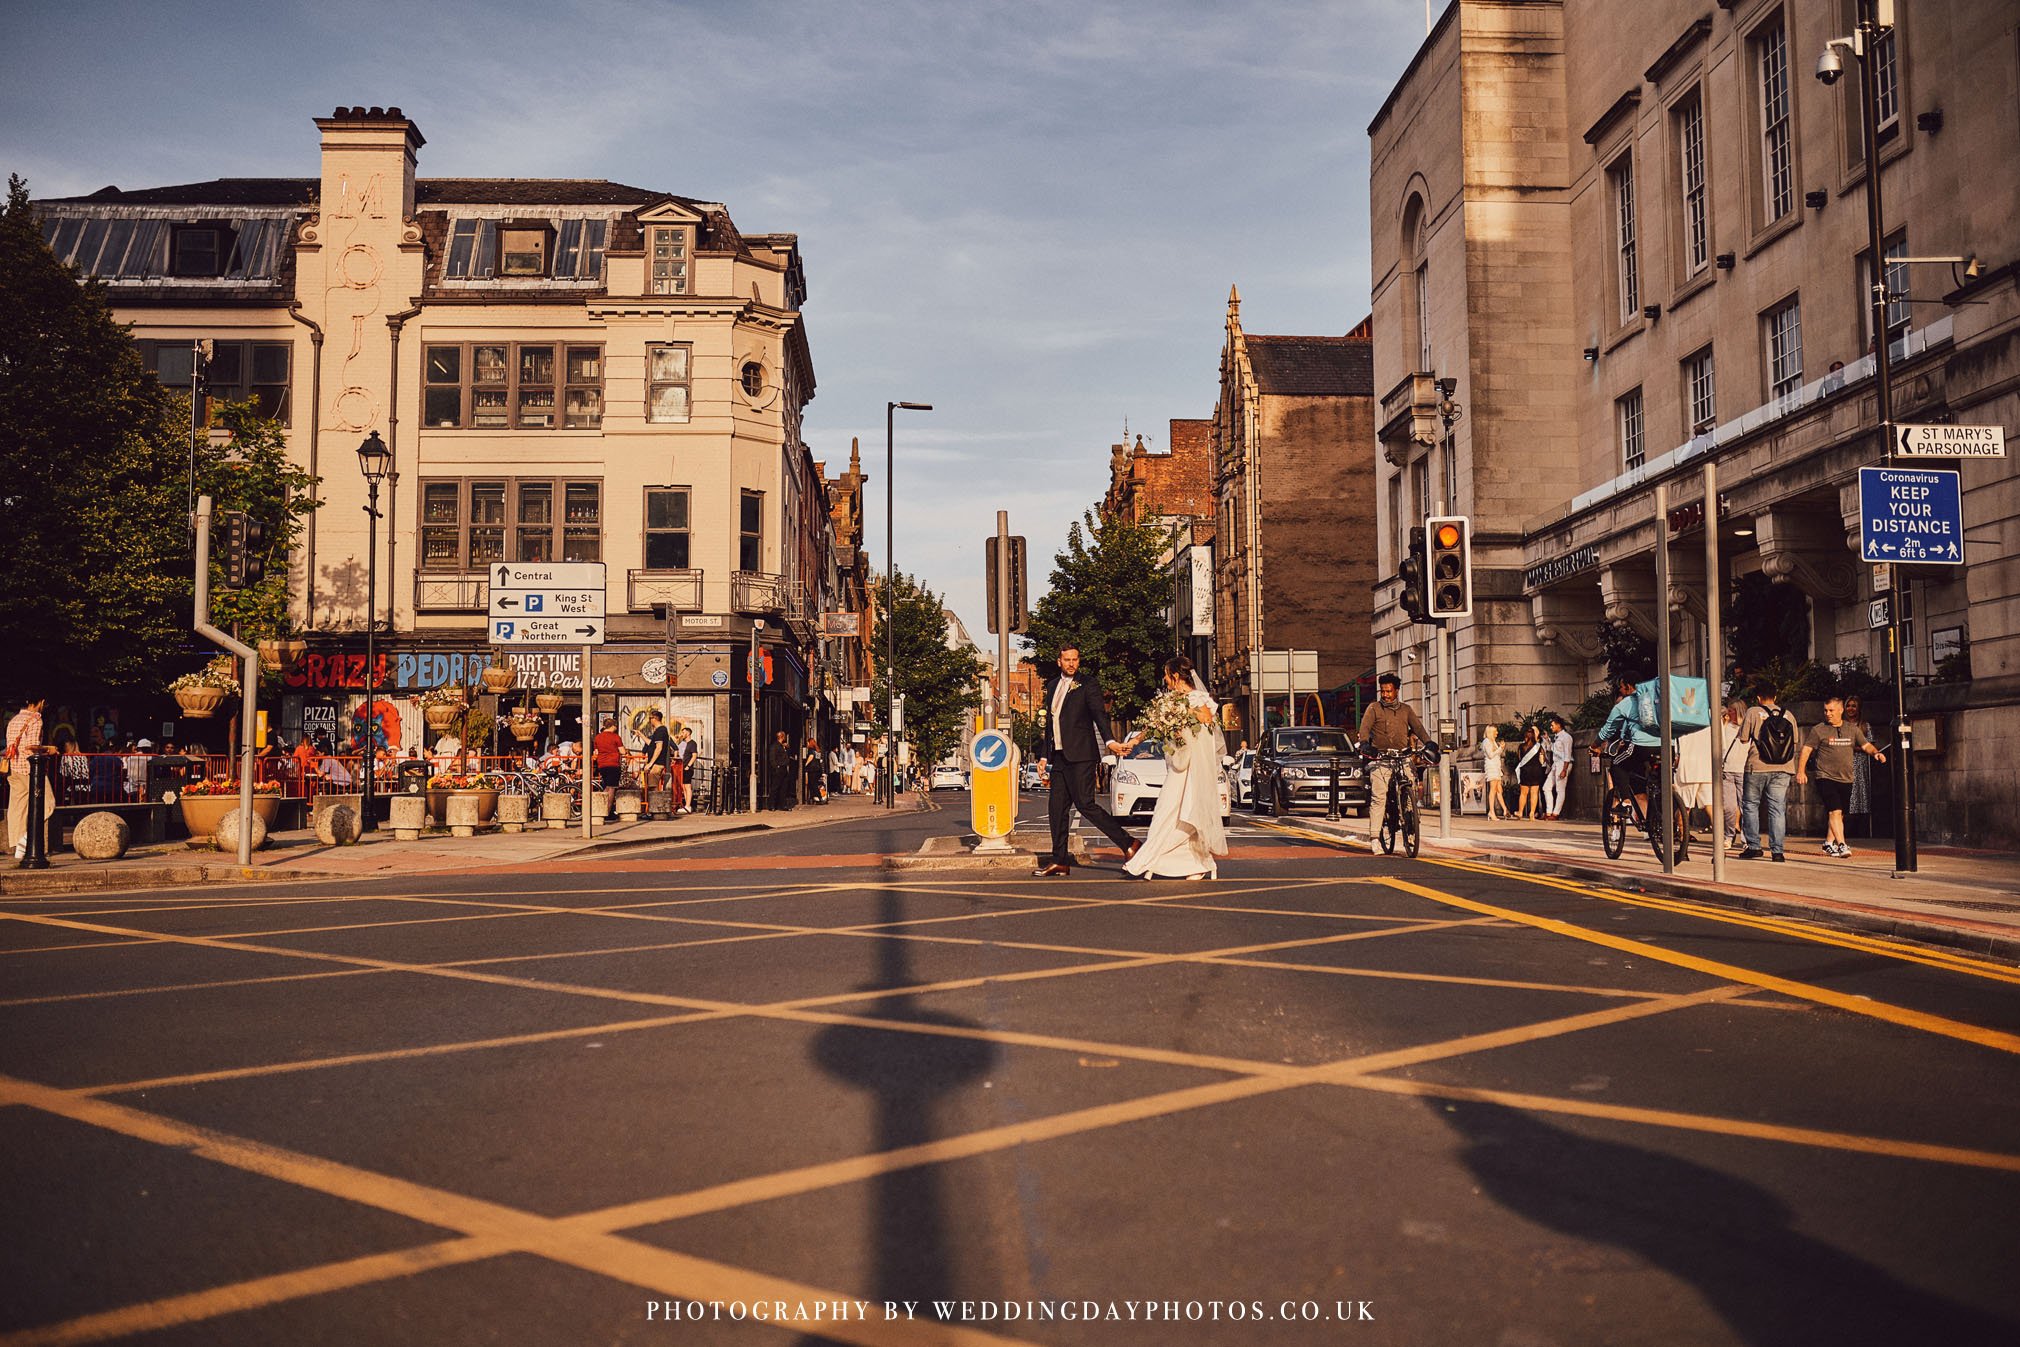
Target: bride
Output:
{"points": [[1185, 831]]}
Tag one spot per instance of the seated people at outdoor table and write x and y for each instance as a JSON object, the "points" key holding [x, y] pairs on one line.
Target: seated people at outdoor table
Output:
{"points": [[135, 763], [337, 772]]}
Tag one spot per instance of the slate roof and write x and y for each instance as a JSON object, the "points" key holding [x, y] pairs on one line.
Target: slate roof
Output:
{"points": [[428, 192], [1308, 367]]}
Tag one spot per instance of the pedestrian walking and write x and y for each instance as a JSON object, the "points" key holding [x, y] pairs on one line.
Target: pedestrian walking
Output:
{"points": [[1732, 767], [813, 780], [1772, 736], [1860, 807], [684, 753], [780, 769], [1494, 770], [1530, 768], [1557, 777], [24, 741], [1834, 746], [658, 760], [606, 752]]}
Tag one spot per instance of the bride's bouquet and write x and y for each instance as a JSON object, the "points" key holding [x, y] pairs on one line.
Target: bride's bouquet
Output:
{"points": [[1169, 718]]}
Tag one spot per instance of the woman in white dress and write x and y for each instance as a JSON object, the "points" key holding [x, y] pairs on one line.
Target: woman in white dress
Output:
{"points": [[1185, 830], [1493, 772]]}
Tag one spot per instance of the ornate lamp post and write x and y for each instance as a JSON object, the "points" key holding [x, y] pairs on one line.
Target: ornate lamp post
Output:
{"points": [[375, 460]]}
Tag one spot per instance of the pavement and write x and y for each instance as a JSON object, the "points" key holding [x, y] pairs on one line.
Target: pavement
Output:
{"points": [[1957, 897], [295, 856]]}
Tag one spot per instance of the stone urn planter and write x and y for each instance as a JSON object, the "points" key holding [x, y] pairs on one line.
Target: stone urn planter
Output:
{"points": [[199, 703], [202, 813], [499, 678], [440, 718], [281, 655], [513, 812], [547, 703], [630, 803], [525, 731], [438, 803]]}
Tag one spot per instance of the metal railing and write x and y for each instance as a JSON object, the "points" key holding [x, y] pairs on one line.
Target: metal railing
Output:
{"points": [[437, 593], [757, 592], [679, 591]]}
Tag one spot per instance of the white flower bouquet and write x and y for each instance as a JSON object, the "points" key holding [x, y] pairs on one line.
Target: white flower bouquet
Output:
{"points": [[1169, 719]]}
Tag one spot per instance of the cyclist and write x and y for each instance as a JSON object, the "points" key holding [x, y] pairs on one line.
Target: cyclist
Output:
{"points": [[1388, 726], [1635, 755]]}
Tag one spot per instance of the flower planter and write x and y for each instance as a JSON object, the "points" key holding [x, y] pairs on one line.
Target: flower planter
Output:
{"points": [[500, 678], [440, 718], [281, 655], [547, 703], [525, 731], [202, 813], [438, 803], [199, 703]]}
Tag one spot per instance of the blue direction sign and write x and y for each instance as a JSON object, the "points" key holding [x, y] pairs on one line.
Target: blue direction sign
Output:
{"points": [[1912, 515]]}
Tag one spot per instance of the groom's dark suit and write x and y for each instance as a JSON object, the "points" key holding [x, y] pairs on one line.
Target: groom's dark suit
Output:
{"points": [[1075, 740]]}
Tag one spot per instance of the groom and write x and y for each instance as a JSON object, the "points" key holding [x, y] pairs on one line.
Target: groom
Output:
{"points": [[1079, 730]]}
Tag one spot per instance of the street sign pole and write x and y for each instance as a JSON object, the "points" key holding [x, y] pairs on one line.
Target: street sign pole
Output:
{"points": [[249, 673], [588, 734], [1665, 774], [999, 710], [1714, 677]]}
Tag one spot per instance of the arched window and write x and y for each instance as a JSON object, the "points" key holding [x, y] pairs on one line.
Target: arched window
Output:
{"points": [[1417, 298]]}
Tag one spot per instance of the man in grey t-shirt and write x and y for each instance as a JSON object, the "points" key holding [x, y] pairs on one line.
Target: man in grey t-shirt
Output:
{"points": [[1831, 746], [1770, 767]]}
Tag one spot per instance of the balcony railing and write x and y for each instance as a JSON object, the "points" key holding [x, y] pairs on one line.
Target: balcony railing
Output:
{"points": [[757, 592], [441, 593], [678, 591]]}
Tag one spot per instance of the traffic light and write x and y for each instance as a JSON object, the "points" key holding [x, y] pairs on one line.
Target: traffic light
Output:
{"points": [[1411, 571], [244, 543], [1451, 566], [1020, 608]]}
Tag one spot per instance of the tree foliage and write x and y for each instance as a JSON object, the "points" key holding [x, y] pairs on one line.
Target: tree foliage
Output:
{"points": [[939, 683], [96, 465], [1110, 597], [93, 475]]}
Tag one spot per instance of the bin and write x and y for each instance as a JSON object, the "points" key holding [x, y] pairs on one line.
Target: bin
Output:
{"points": [[414, 775]]}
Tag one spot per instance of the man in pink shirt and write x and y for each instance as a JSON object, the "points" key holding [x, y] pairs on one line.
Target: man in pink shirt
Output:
{"points": [[24, 739]]}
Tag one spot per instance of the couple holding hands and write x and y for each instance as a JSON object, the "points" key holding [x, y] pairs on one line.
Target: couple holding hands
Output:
{"points": [[1186, 833]]}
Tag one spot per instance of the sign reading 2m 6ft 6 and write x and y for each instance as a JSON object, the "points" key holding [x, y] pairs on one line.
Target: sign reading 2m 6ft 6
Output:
{"points": [[1911, 514]]}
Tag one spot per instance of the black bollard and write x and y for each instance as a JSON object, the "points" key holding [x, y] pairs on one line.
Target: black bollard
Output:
{"points": [[1333, 792], [36, 856]]}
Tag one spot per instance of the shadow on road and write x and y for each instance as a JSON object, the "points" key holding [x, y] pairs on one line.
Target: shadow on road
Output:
{"points": [[1730, 1240], [907, 1074]]}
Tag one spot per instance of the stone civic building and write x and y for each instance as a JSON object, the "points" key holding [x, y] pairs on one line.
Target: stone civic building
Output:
{"points": [[1635, 249], [1294, 505], [564, 370], [1175, 489]]}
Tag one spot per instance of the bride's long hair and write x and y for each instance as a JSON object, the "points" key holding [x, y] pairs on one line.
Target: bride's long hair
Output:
{"points": [[1179, 666]]}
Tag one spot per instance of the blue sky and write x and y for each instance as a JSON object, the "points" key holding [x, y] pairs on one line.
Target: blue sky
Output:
{"points": [[1026, 214]]}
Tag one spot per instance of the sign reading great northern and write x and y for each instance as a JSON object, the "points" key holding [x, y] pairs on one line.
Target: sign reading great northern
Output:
{"points": [[1911, 514]]}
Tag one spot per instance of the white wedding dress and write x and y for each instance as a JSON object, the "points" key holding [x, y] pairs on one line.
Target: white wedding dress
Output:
{"points": [[1186, 833]]}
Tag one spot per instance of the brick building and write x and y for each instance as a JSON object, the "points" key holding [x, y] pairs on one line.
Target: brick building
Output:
{"points": [[1294, 496], [1175, 488]]}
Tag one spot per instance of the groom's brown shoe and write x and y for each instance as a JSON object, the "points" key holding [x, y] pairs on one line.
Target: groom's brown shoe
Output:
{"points": [[1130, 854], [1053, 870]]}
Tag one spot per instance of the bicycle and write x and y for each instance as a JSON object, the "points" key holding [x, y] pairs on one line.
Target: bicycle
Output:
{"points": [[1622, 808], [1399, 807]]}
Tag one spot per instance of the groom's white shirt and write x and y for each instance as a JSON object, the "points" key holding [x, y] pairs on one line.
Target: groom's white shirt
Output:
{"points": [[1064, 686]]}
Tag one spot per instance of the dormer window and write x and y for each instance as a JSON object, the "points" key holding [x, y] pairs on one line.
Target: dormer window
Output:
{"points": [[198, 250], [522, 251], [669, 249]]}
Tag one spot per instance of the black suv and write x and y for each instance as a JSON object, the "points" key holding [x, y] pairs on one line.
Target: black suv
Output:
{"points": [[1294, 766]]}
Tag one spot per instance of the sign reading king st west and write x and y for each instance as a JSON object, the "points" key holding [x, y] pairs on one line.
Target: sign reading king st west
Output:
{"points": [[547, 603]]}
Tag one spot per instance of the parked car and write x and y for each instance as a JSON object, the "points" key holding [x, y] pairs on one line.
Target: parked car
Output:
{"points": [[1241, 777], [1033, 775], [1293, 769], [1138, 779], [947, 776]]}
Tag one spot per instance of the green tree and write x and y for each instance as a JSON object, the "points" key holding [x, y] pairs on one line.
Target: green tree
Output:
{"points": [[1109, 598], [251, 471], [94, 458], [939, 683]]}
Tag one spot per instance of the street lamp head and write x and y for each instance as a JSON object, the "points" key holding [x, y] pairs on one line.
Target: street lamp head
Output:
{"points": [[374, 458], [914, 406]]}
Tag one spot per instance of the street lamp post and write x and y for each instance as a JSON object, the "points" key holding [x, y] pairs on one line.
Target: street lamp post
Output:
{"points": [[891, 608], [1874, 23], [374, 460]]}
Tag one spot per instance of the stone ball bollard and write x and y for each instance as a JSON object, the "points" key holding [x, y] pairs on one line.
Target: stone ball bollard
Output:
{"points": [[226, 837], [555, 808], [462, 814], [409, 814], [512, 812], [100, 837], [337, 826], [630, 804]]}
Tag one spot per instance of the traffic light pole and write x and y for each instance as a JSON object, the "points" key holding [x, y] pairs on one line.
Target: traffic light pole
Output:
{"points": [[1448, 645]]}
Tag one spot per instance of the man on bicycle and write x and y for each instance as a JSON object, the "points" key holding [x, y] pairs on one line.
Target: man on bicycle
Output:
{"points": [[1632, 746], [1388, 726]]}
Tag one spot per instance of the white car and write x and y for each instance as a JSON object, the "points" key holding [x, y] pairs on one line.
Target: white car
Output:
{"points": [[946, 776], [1136, 780], [1241, 776]]}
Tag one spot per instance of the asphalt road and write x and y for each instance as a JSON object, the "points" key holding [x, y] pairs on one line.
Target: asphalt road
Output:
{"points": [[752, 1090]]}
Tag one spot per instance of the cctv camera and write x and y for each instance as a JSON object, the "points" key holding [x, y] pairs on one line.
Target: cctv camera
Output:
{"points": [[1830, 66]]}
